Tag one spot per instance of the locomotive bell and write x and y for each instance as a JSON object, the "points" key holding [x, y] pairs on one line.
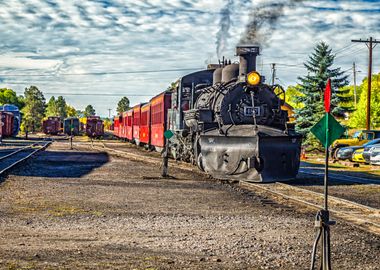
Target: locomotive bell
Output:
{"points": [[247, 55]]}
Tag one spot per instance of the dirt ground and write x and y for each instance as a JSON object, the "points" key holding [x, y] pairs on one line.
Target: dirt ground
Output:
{"points": [[83, 209]]}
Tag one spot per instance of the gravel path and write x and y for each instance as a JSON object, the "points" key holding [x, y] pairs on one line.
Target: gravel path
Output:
{"points": [[87, 210]]}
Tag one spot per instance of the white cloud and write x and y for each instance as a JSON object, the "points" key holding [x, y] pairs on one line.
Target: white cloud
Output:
{"points": [[61, 36]]}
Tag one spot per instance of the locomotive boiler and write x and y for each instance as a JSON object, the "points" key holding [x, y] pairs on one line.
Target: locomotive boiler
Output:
{"points": [[230, 123]]}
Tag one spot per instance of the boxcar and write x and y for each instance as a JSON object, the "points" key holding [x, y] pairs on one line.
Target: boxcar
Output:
{"points": [[7, 124], [159, 110], [129, 125], [71, 126], [94, 126], [52, 125], [145, 124]]}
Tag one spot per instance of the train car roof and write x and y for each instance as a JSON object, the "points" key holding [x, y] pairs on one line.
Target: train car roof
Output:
{"points": [[160, 94]]}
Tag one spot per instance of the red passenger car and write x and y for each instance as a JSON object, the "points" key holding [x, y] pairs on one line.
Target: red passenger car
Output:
{"points": [[159, 110], [116, 126], [129, 124], [122, 126], [7, 123], [145, 124], [136, 123]]}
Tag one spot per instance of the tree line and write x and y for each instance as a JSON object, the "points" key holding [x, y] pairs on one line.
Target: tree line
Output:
{"points": [[34, 107]]}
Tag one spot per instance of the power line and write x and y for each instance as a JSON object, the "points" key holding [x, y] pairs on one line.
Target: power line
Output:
{"points": [[100, 73], [94, 94]]}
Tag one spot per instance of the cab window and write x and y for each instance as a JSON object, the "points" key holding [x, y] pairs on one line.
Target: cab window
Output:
{"points": [[369, 136], [356, 135]]}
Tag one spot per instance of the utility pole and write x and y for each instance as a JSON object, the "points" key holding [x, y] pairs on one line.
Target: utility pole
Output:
{"points": [[109, 113], [354, 69], [371, 43], [273, 72]]}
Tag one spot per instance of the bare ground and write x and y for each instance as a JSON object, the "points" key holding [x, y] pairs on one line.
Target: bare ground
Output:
{"points": [[87, 210]]}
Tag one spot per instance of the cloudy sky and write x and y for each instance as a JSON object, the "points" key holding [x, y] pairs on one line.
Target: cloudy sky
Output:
{"points": [[96, 51]]}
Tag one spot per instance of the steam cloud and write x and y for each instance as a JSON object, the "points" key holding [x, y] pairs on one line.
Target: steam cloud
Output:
{"points": [[224, 27], [263, 21]]}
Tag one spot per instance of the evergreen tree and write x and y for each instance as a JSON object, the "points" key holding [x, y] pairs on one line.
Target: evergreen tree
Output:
{"points": [[312, 86], [123, 105], [359, 117], [34, 110], [51, 108], [61, 106], [56, 107], [89, 111]]}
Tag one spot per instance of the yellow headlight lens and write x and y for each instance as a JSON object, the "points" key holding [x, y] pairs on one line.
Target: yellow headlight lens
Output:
{"points": [[253, 78]]}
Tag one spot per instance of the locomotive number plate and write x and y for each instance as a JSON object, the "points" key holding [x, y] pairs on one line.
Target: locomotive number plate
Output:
{"points": [[248, 111]]}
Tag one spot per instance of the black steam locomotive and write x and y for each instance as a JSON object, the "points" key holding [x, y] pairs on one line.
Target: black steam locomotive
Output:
{"points": [[230, 123]]}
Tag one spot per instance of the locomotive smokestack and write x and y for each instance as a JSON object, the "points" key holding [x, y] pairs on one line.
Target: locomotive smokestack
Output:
{"points": [[247, 54]]}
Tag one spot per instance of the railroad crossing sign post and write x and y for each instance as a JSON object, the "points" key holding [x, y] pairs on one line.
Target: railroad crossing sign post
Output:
{"points": [[326, 130], [71, 133], [165, 155]]}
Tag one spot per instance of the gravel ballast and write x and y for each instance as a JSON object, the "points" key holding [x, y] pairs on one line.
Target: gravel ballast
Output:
{"points": [[83, 209]]}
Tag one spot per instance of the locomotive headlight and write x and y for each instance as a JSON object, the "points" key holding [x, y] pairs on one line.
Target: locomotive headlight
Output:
{"points": [[253, 78]]}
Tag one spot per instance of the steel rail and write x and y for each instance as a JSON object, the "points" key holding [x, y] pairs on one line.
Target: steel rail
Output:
{"points": [[17, 151], [43, 147], [365, 217]]}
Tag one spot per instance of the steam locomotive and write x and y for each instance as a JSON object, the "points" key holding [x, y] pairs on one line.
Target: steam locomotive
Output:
{"points": [[228, 122]]}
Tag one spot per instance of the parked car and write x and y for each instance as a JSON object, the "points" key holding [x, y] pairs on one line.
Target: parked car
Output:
{"points": [[367, 152], [375, 155], [359, 138], [357, 156], [345, 153]]}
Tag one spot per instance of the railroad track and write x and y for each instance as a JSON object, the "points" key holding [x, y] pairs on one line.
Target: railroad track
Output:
{"points": [[12, 157], [365, 217]]}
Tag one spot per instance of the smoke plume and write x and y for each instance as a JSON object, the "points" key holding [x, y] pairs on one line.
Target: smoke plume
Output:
{"points": [[263, 21], [224, 27]]}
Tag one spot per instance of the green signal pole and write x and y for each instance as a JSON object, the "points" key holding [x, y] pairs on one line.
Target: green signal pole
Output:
{"points": [[322, 219], [326, 256], [326, 162]]}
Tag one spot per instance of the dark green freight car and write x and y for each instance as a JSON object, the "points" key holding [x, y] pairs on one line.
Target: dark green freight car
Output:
{"points": [[71, 126]]}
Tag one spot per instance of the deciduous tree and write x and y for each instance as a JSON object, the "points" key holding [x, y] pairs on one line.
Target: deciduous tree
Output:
{"points": [[358, 118], [8, 96]]}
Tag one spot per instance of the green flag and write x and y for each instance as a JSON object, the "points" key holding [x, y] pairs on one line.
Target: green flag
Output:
{"points": [[335, 130]]}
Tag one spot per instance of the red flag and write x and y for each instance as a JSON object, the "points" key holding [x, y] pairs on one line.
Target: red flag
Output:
{"points": [[328, 96]]}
